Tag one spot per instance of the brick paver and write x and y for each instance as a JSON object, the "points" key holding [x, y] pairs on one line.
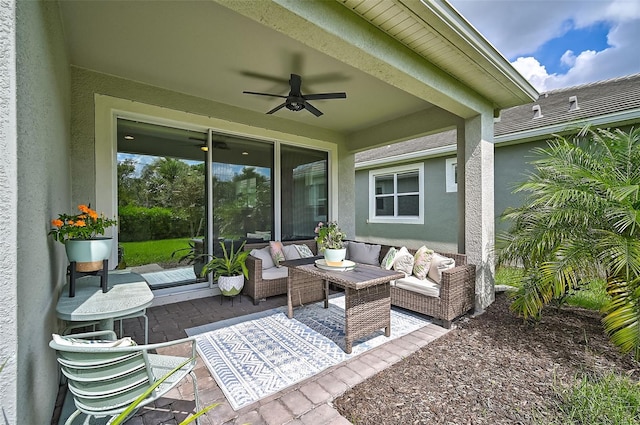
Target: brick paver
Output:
{"points": [[306, 404]]}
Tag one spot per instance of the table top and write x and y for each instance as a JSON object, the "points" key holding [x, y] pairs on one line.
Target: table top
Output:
{"points": [[362, 276], [127, 293]]}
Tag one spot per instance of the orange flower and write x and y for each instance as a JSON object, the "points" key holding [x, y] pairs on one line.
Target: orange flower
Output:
{"points": [[57, 222], [93, 214], [83, 208], [80, 223]]}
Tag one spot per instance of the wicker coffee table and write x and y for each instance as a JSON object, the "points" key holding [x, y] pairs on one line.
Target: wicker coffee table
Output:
{"points": [[367, 295]]}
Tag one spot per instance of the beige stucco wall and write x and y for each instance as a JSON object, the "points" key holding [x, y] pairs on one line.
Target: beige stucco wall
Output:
{"points": [[8, 209], [41, 188]]}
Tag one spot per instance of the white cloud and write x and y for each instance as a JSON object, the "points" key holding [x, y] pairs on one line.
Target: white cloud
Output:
{"points": [[518, 27]]}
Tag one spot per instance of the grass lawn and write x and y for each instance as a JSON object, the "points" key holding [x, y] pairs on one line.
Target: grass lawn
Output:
{"points": [[147, 252], [593, 296]]}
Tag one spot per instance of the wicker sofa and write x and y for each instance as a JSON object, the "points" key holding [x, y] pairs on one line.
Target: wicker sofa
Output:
{"points": [[258, 287], [455, 296]]}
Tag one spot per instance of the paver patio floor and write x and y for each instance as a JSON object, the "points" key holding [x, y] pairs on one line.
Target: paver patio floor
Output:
{"points": [[308, 402]]}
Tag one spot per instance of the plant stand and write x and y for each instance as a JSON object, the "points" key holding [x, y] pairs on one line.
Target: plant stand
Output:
{"points": [[74, 274], [222, 296]]}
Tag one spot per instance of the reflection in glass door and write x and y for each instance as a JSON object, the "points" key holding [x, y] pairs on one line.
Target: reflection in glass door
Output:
{"points": [[162, 206], [241, 178]]}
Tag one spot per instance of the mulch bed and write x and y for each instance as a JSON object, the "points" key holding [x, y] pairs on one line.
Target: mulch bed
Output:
{"points": [[492, 369]]}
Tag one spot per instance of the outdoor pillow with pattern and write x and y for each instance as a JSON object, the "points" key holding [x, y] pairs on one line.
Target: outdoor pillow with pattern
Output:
{"points": [[304, 251], [403, 262], [277, 253], [421, 262], [387, 261]]}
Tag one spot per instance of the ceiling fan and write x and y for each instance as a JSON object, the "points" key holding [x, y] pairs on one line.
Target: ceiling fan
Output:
{"points": [[296, 101]]}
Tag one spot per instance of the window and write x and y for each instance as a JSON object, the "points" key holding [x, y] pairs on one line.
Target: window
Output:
{"points": [[451, 174], [397, 195]]}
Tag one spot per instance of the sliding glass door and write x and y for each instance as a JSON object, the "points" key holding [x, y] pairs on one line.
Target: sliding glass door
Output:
{"points": [[183, 193], [162, 205]]}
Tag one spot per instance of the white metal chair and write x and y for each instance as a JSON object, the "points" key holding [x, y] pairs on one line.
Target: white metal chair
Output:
{"points": [[104, 380]]}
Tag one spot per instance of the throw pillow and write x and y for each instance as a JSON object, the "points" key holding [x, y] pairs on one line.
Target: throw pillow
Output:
{"points": [[387, 261], [404, 263], [363, 253], [276, 252], [290, 252], [438, 265], [421, 262], [264, 254], [304, 251], [79, 342]]}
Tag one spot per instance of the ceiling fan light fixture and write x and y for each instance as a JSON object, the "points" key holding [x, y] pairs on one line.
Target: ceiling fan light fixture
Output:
{"points": [[295, 106], [204, 148], [128, 137]]}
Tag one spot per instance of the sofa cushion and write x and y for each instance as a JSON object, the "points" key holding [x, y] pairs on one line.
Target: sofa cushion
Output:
{"points": [[290, 252], [421, 262], [438, 265], [387, 261], [276, 252], [263, 254], [403, 262], [275, 273], [363, 253], [304, 251], [422, 286]]}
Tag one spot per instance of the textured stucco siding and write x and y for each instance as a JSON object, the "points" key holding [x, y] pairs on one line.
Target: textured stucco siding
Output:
{"points": [[8, 209], [43, 190]]}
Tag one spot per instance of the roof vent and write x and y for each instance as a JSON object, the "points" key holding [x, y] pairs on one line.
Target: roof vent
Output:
{"points": [[537, 111], [573, 103]]}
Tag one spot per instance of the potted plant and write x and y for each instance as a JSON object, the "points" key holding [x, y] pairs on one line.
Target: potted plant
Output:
{"points": [[79, 234], [330, 241], [229, 270], [193, 254]]}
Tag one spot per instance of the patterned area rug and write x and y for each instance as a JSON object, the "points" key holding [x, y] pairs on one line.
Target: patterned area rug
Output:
{"points": [[254, 356]]}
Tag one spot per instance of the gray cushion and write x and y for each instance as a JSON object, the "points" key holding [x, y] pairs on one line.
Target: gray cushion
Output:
{"points": [[264, 254], [363, 253], [290, 252]]}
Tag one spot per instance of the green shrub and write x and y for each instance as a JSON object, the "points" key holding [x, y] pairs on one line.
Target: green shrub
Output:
{"points": [[142, 224]]}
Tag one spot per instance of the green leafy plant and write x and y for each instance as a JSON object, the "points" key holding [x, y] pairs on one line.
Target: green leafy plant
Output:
{"points": [[581, 222], [611, 399], [84, 225], [130, 410], [232, 263], [329, 235]]}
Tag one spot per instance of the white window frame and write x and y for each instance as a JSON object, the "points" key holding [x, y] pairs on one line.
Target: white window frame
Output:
{"points": [[450, 174], [419, 219]]}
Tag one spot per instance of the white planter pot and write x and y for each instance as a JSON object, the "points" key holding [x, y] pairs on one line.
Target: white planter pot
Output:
{"points": [[231, 285], [88, 253], [335, 257]]}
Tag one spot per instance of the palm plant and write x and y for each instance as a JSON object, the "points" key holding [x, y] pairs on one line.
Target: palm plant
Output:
{"points": [[580, 221]]}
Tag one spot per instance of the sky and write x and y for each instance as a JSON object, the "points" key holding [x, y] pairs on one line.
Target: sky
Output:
{"points": [[561, 43]]}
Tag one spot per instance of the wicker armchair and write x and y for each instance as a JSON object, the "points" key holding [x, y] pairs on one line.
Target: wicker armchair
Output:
{"points": [[257, 287], [457, 292]]}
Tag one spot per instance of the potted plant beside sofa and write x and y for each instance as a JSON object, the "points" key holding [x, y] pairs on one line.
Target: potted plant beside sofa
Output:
{"points": [[229, 270]]}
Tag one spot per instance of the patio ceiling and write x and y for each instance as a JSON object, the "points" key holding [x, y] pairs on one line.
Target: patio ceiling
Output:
{"points": [[215, 51]]}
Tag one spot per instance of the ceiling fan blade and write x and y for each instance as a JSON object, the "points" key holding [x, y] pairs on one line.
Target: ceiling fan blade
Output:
{"points": [[277, 108], [325, 96], [309, 107], [295, 82], [264, 94]]}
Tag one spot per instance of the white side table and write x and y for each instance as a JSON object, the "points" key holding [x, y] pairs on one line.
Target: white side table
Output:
{"points": [[127, 293]]}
